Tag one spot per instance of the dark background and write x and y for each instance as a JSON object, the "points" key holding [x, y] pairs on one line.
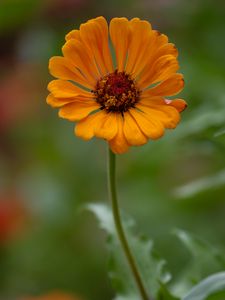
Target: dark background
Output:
{"points": [[47, 175]]}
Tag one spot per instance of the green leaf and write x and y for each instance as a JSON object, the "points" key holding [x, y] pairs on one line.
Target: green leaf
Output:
{"points": [[200, 185], [14, 13], [207, 287], [150, 266], [205, 260], [219, 133], [204, 118], [164, 294]]}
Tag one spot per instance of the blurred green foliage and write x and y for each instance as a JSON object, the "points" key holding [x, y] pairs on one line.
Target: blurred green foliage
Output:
{"points": [[192, 284], [15, 13], [151, 267], [176, 182]]}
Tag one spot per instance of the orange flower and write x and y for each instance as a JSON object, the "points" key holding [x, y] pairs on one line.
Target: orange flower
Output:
{"points": [[123, 104]]}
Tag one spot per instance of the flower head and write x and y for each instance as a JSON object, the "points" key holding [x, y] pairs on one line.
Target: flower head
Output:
{"points": [[124, 104]]}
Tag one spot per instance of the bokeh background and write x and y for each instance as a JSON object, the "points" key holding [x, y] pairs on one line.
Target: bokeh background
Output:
{"points": [[48, 242]]}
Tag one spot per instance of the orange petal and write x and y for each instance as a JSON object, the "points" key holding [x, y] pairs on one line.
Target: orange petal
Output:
{"points": [[76, 111], [119, 29], [55, 102], [167, 115], [166, 49], [139, 40], [76, 53], [119, 143], [73, 34], [58, 102], [179, 104], [163, 67], [108, 128], [159, 41], [61, 68], [106, 53], [171, 86], [65, 89], [147, 51], [149, 125], [94, 35], [86, 127], [158, 46], [132, 132]]}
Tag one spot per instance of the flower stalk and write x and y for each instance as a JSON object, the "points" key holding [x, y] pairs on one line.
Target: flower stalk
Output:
{"points": [[119, 227]]}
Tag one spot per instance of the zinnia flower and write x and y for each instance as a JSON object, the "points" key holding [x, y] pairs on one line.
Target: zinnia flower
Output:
{"points": [[124, 104]]}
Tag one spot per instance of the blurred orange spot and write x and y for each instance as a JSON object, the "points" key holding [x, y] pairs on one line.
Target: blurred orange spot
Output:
{"points": [[12, 217], [19, 89], [53, 296]]}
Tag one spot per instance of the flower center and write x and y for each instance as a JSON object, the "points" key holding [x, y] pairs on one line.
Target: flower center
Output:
{"points": [[116, 92]]}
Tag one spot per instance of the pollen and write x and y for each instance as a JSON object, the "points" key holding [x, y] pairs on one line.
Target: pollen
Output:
{"points": [[116, 92]]}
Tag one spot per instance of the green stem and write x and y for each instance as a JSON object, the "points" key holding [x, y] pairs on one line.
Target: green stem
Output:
{"points": [[119, 227]]}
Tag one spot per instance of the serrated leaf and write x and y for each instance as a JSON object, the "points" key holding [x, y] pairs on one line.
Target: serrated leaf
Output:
{"points": [[207, 287], [204, 261], [150, 266]]}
